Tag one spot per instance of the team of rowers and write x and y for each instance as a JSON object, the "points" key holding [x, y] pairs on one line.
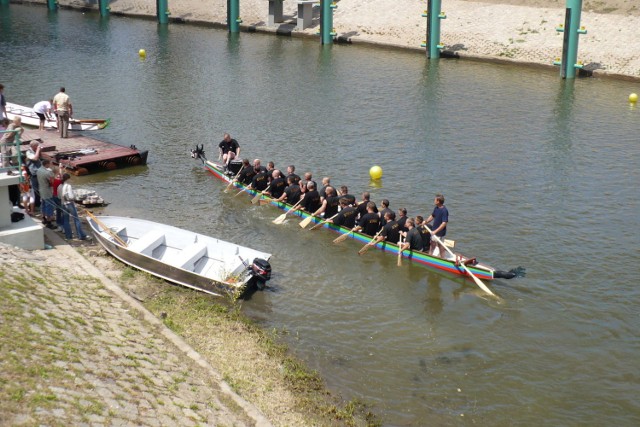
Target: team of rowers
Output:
{"points": [[337, 206]]}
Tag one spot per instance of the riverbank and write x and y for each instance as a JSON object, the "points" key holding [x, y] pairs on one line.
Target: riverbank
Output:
{"points": [[518, 31], [89, 340]]}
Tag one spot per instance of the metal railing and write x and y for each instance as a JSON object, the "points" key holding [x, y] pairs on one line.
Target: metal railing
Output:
{"points": [[10, 154]]}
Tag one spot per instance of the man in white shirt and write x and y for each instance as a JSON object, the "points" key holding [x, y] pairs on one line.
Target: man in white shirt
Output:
{"points": [[69, 211], [43, 111], [64, 110]]}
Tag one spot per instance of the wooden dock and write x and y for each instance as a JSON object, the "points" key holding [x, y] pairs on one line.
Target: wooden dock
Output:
{"points": [[81, 155]]}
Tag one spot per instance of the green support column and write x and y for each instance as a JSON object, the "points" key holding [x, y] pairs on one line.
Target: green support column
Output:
{"points": [[572, 30], [433, 15], [326, 21], [162, 10], [233, 16], [104, 7], [4, 2], [52, 4]]}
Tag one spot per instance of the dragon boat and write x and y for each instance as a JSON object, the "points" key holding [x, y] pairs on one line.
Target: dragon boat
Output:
{"points": [[455, 263]]}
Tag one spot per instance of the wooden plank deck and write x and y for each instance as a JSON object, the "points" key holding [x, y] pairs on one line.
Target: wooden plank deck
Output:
{"points": [[81, 155]]}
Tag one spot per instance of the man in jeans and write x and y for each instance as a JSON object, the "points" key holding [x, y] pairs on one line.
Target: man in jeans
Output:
{"points": [[45, 180], [69, 211], [64, 110]]}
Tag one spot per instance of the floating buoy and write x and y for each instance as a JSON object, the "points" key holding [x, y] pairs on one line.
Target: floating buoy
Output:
{"points": [[375, 172], [633, 98], [142, 53]]}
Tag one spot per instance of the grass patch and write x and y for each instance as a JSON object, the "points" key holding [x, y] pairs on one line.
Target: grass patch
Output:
{"points": [[256, 363]]}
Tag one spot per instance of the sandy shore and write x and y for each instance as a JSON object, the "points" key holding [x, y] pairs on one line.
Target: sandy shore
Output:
{"points": [[512, 30]]}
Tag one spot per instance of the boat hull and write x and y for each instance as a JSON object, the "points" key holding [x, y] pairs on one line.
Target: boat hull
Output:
{"points": [[29, 118], [245, 284], [481, 271]]}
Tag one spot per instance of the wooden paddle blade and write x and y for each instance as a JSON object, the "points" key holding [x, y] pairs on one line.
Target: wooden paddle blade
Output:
{"points": [[400, 258], [306, 221], [341, 238], [265, 201], [364, 249], [280, 219], [256, 198], [318, 225], [240, 192]]}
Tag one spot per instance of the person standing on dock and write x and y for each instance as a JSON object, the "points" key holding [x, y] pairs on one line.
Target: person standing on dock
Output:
{"points": [[7, 142], [33, 164], [45, 180], [229, 149], [3, 103], [43, 111], [69, 211], [64, 110], [440, 218]]}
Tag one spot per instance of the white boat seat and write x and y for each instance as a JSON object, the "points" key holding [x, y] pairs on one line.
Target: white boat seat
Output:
{"points": [[148, 242], [189, 256]]}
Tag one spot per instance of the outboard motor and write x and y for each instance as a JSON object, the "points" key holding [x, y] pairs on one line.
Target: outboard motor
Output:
{"points": [[261, 270]]}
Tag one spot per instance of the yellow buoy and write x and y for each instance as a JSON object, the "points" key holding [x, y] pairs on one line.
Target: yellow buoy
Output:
{"points": [[633, 97], [142, 53], [375, 172]]}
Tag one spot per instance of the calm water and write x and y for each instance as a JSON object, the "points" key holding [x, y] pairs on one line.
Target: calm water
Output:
{"points": [[537, 172]]}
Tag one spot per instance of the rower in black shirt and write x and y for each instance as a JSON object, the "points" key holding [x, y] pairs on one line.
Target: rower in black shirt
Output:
{"points": [[278, 185], [369, 223], [390, 230], [311, 199], [246, 173], [347, 215], [424, 233], [330, 203], [402, 218], [260, 181], [258, 167], [413, 238], [291, 169], [362, 206], [384, 208], [292, 193], [344, 192]]}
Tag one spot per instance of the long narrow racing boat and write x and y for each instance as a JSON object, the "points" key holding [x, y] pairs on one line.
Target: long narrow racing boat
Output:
{"points": [[453, 265], [30, 118], [189, 259]]}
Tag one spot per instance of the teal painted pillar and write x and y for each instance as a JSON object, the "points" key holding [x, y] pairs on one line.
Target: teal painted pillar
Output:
{"points": [[433, 15], [233, 16], [326, 21], [52, 4], [4, 2], [104, 7], [572, 30], [162, 10]]}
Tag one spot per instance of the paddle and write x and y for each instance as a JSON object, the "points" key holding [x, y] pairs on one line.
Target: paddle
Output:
{"points": [[373, 241], [463, 265], [321, 223], [400, 250], [344, 236], [226, 190], [107, 229], [282, 217], [257, 197], [265, 201], [241, 191]]}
